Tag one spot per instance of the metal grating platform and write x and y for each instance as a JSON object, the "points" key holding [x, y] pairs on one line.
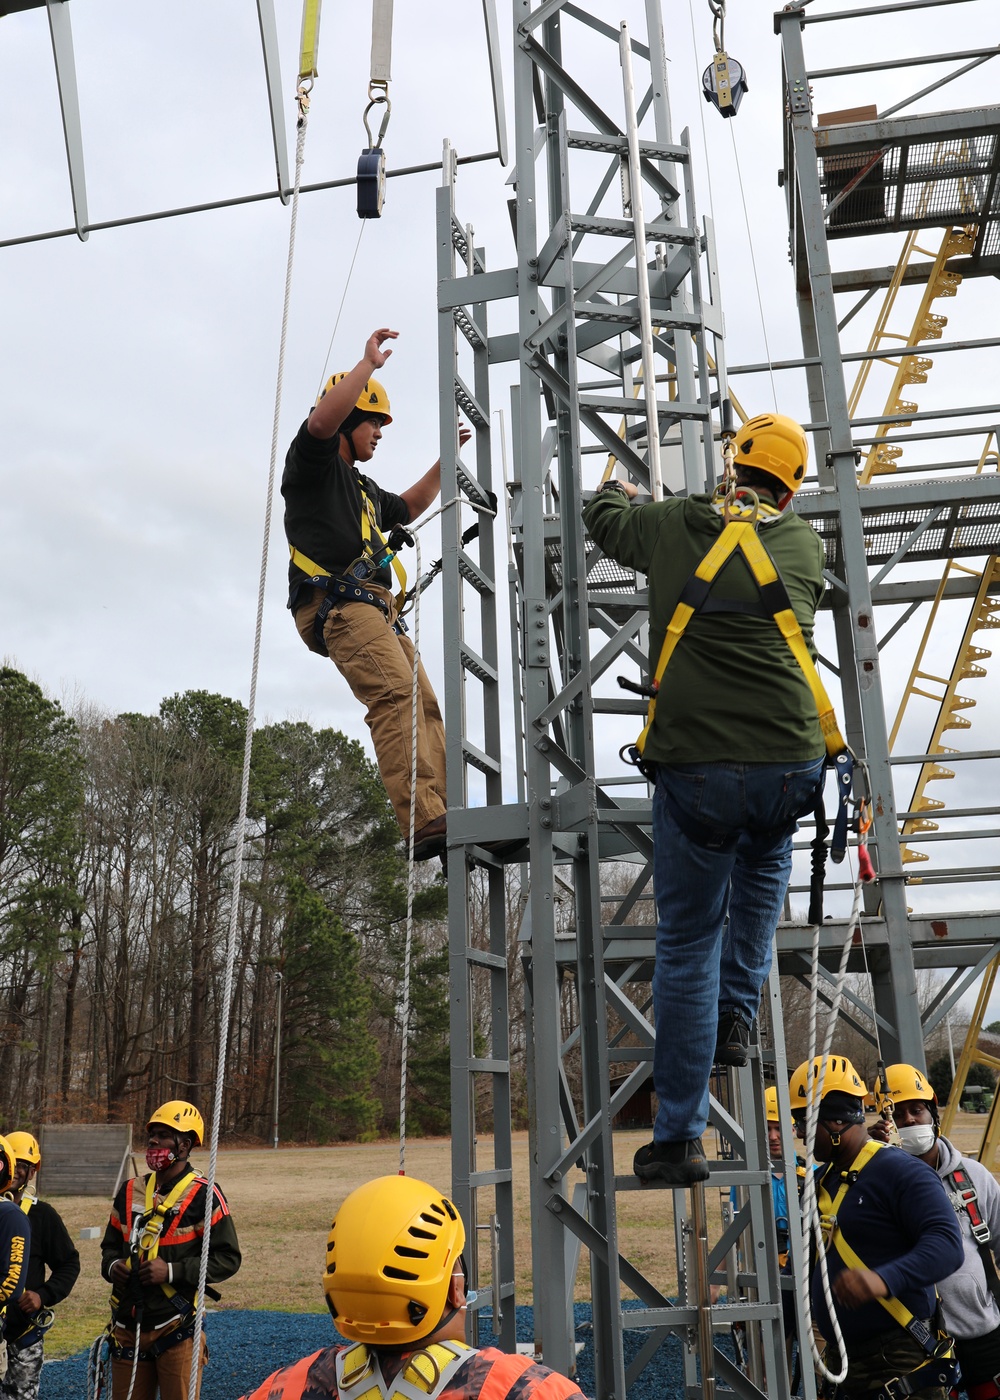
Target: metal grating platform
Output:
{"points": [[913, 172], [959, 532]]}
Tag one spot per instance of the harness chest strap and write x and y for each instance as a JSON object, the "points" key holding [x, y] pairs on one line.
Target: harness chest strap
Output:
{"points": [[424, 1376], [741, 535]]}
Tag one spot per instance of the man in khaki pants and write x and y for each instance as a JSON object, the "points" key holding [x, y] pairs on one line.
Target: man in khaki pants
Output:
{"points": [[341, 580]]}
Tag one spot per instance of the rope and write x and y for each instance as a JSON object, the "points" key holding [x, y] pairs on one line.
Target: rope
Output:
{"points": [[227, 994], [812, 1230], [753, 264], [410, 874], [350, 274]]}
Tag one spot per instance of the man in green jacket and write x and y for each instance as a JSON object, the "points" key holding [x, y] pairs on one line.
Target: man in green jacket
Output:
{"points": [[737, 755]]}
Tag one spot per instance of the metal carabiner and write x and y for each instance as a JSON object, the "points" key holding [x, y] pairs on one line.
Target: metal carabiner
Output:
{"points": [[378, 94]]}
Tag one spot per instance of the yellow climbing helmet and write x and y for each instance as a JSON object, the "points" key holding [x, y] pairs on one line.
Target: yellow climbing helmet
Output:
{"points": [[840, 1077], [182, 1117], [903, 1083], [25, 1148], [771, 1103], [6, 1164], [775, 444], [389, 1260], [372, 399]]}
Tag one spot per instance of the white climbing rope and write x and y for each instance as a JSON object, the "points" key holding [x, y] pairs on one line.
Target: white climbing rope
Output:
{"points": [[812, 1228], [410, 874], [227, 994]]}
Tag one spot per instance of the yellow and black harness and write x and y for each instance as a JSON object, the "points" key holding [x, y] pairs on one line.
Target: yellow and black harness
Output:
{"points": [[349, 586], [739, 535], [940, 1367], [424, 1376], [147, 1226]]}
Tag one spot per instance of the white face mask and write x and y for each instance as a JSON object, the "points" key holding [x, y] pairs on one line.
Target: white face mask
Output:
{"points": [[918, 1139]]}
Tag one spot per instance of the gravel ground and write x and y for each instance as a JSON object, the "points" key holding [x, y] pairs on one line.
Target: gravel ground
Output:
{"points": [[246, 1347]]}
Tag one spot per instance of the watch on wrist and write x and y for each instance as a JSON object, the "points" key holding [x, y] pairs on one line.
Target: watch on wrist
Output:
{"points": [[613, 485]]}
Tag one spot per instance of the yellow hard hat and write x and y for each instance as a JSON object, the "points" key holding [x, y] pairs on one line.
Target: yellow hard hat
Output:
{"points": [[372, 399], [389, 1260], [6, 1164], [183, 1117], [902, 1083], [25, 1148], [840, 1077], [775, 444], [771, 1103]]}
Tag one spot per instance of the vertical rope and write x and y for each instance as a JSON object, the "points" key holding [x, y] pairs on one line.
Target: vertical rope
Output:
{"points": [[753, 264], [811, 1223], [227, 995], [411, 871]]}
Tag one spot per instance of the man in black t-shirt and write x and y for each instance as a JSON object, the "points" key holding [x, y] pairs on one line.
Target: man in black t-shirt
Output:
{"points": [[341, 584]]}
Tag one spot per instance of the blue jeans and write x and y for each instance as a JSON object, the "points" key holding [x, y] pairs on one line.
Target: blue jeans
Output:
{"points": [[704, 965]]}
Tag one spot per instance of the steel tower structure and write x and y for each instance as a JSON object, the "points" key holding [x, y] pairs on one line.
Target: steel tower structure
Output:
{"points": [[619, 350], [910, 519]]}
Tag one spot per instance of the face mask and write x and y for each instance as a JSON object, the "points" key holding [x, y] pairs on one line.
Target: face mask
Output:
{"points": [[157, 1158], [918, 1139]]}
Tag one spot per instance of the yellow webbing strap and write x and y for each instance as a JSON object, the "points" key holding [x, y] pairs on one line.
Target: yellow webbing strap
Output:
{"points": [[369, 526], [310, 39], [308, 566], [828, 1208], [26, 1203], [741, 535]]}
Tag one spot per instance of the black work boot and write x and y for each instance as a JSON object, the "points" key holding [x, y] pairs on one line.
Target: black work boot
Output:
{"points": [[732, 1040], [674, 1163]]}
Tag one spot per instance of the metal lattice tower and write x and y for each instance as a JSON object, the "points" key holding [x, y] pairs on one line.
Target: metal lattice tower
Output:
{"points": [[918, 528], [619, 350]]}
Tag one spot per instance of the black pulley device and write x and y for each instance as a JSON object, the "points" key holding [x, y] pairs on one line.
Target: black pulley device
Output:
{"points": [[371, 182]]}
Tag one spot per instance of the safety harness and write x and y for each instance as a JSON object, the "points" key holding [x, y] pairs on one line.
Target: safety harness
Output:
{"points": [[424, 1376], [349, 586], [940, 1367], [965, 1197], [739, 535], [148, 1225]]}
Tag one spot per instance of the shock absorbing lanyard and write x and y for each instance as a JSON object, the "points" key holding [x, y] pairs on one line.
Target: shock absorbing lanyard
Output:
{"points": [[739, 534]]}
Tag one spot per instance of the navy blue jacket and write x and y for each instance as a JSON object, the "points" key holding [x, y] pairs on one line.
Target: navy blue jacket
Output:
{"points": [[900, 1223]]}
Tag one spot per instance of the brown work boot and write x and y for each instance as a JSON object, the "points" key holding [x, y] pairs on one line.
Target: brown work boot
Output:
{"points": [[430, 840]]}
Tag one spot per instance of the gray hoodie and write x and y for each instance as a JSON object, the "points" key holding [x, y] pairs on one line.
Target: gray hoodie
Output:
{"points": [[967, 1305]]}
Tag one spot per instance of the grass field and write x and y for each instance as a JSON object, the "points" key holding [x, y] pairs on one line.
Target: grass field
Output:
{"points": [[282, 1202]]}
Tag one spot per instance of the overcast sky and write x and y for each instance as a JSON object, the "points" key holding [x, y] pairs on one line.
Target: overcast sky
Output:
{"points": [[138, 390]]}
